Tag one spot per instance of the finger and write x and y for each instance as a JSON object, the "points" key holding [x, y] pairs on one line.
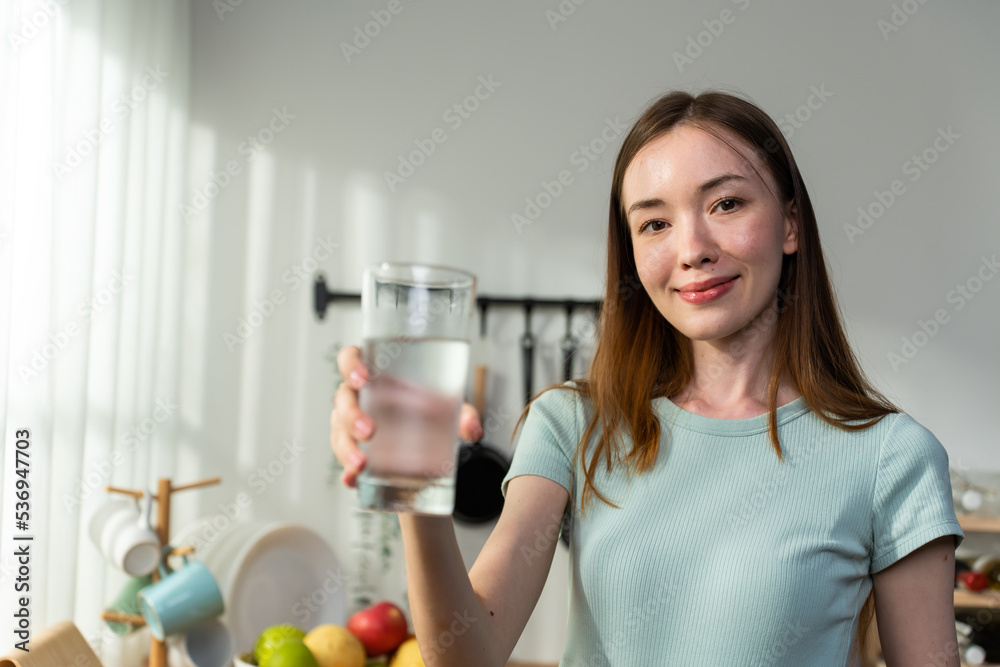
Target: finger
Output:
{"points": [[353, 461], [470, 427], [349, 479], [343, 438], [351, 366], [349, 417], [340, 447]]}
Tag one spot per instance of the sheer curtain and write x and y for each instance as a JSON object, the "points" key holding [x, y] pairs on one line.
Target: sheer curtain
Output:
{"points": [[93, 136]]}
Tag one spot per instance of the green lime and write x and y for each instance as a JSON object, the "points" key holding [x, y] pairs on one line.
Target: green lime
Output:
{"points": [[290, 653], [270, 638]]}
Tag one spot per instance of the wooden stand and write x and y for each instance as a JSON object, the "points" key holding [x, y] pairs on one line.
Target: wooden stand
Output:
{"points": [[157, 648]]}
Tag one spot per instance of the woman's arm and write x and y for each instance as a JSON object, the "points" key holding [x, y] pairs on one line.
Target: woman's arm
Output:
{"points": [[914, 607], [476, 618], [461, 618]]}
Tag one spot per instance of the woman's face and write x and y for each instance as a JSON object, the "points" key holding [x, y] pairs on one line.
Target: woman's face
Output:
{"points": [[698, 212]]}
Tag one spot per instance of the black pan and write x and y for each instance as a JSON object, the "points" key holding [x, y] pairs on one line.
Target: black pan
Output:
{"points": [[481, 468]]}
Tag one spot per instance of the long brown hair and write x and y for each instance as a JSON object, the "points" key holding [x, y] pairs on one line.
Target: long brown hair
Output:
{"points": [[640, 356]]}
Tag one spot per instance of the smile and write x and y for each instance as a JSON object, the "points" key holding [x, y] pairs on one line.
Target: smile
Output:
{"points": [[708, 295]]}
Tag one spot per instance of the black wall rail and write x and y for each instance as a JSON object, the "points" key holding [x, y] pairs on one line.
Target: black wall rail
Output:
{"points": [[322, 296]]}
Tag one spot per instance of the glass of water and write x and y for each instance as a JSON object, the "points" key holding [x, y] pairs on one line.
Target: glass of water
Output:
{"points": [[416, 330]]}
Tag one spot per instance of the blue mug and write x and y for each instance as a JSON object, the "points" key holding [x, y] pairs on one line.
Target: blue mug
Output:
{"points": [[180, 600]]}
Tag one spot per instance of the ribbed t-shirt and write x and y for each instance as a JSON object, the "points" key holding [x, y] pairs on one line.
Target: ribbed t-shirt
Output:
{"points": [[721, 554]]}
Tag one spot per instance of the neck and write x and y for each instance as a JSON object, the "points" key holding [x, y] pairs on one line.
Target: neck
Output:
{"points": [[732, 374]]}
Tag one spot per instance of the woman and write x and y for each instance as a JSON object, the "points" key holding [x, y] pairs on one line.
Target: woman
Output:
{"points": [[739, 493]]}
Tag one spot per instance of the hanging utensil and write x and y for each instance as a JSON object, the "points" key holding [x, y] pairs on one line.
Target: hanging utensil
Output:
{"points": [[481, 469], [527, 348], [568, 345]]}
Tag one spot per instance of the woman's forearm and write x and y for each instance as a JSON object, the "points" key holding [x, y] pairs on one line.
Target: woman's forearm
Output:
{"points": [[448, 617]]}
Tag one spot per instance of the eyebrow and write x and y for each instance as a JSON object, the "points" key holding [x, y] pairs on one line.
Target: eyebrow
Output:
{"points": [[702, 189]]}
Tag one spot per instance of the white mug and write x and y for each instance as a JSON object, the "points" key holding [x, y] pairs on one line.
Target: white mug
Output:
{"points": [[103, 516], [208, 644], [127, 538]]}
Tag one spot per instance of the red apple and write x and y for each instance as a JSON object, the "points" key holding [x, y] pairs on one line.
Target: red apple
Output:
{"points": [[381, 628], [974, 581]]}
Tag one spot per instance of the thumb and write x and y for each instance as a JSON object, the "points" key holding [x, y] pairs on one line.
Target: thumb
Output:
{"points": [[470, 426]]}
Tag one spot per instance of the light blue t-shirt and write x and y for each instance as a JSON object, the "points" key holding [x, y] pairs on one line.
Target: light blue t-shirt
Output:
{"points": [[723, 555]]}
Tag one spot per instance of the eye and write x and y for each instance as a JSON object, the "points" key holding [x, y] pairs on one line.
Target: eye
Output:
{"points": [[644, 225], [728, 204]]}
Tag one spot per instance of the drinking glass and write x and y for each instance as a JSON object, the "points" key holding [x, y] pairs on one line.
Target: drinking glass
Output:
{"points": [[416, 330]]}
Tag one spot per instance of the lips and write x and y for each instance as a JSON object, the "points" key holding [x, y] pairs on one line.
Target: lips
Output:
{"points": [[705, 285], [715, 289]]}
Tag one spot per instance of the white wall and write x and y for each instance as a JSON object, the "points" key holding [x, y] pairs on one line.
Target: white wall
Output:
{"points": [[322, 177]]}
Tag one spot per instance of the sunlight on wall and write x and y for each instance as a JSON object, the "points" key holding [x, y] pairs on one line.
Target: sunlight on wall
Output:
{"points": [[519, 271], [368, 232], [303, 322], [91, 150], [430, 244], [194, 314], [260, 216]]}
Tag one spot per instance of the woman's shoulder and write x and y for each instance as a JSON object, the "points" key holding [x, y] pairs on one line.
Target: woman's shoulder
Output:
{"points": [[897, 444], [893, 428], [905, 436], [564, 408], [891, 440], [560, 402], [568, 397]]}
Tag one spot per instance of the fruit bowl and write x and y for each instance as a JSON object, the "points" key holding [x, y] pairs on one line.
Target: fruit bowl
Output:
{"points": [[244, 660], [376, 636]]}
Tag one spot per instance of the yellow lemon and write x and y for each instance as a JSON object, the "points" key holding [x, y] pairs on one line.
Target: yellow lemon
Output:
{"points": [[408, 655], [334, 646]]}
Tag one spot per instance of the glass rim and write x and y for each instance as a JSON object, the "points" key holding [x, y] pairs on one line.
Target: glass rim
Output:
{"points": [[450, 276]]}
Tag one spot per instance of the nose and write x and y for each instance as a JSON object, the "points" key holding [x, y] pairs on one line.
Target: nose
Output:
{"points": [[695, 244]]}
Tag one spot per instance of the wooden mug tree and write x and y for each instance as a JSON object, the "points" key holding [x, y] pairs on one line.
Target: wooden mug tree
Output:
{"points": [[157, 648]]}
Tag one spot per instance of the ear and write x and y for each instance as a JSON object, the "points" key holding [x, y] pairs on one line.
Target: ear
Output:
{"points": [[791, 244]]}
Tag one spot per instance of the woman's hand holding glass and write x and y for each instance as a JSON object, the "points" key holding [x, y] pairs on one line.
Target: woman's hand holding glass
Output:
{"points": [[349, 425]]}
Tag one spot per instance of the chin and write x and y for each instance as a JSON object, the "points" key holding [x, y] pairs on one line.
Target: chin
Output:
{"points": [[708, 333]]}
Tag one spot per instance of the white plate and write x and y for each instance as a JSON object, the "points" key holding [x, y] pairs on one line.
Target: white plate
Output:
{"points": [[192, 534], [285, 573], [221, 554], [209, 541]]}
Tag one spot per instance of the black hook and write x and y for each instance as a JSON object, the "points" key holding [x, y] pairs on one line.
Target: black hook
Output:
{"points": [[483, 304], [528, 349]]}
